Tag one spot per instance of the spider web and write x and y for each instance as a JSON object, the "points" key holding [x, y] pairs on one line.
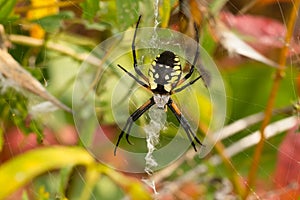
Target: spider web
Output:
{"points": [[271, 145]]}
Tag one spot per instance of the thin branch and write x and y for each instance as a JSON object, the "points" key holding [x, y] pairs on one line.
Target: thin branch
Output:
{"points": [[33, 42], [239, 146], [14, 75], [254, 138], [248, 121], [270, 104]]}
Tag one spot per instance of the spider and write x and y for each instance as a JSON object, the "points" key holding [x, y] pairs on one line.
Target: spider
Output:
{"points": [[164, 77]]}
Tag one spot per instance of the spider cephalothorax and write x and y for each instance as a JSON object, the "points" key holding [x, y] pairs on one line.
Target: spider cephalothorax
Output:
{"points": [[164, 78]]}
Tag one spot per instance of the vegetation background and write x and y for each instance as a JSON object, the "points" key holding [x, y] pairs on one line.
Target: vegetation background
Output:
{"points": [[255, 46]]}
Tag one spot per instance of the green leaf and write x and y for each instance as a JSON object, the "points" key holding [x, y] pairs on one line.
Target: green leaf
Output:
{"points": [[90, 9], [128, 13], [165, 13], [217, 5], [6, 8], [20, 170], [65, 174], [100, 26], [53, 23]]}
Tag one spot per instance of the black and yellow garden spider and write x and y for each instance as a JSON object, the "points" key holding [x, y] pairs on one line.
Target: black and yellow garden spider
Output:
{"points": [[164, 77]]}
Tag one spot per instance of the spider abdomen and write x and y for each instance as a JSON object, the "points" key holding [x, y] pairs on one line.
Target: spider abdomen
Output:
{"points": [[165, 72]]}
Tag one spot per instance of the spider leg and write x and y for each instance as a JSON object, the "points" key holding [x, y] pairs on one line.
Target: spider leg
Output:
{"points": [[137, 70], [133, 117], [184, 123], [186, 85], [134, 77], [192, 69]]}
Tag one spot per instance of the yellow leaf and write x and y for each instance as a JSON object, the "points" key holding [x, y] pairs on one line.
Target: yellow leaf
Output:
{"points": [[19, 171], [42, 8]]}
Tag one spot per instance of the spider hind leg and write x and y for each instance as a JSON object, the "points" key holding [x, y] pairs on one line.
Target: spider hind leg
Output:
{"points": [[133, 117], [184, 123]]}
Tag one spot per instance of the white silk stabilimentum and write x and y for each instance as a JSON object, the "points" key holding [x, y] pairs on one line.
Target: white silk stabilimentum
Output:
{"points": [[157, 122]]}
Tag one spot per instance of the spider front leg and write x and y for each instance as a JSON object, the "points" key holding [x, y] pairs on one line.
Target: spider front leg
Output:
{"points": [[184, 123], [186, 85], [134, 77], [133, 117], [137, 70]]}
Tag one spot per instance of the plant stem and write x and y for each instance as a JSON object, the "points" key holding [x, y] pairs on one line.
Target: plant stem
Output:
{"points": [[33, 42], [270, 104]]}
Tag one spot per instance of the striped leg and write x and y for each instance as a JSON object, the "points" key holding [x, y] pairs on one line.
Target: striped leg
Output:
{"points": [[184, 123], [133, 117]]}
